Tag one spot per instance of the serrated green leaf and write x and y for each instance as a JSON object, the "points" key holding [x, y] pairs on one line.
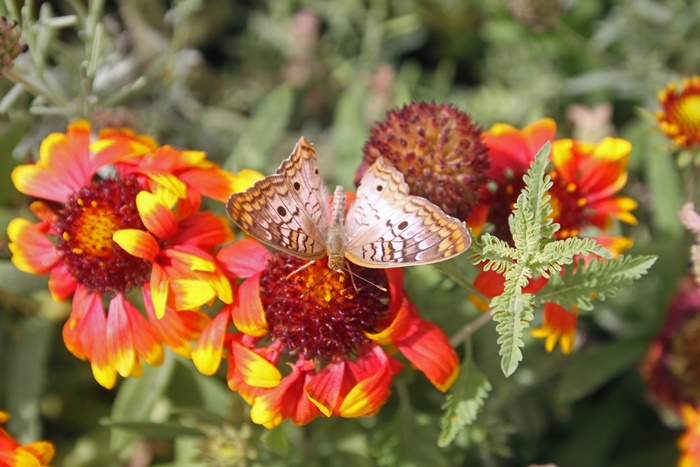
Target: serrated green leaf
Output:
{"points": [[512, 311], [531, 221], [264, 130], [600, 277], [464, 400], [496, 253], [556, 254]]}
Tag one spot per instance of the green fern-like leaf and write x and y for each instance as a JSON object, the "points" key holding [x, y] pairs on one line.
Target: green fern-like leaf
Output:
{"points": [[496, 253], [601, 277], [513, 312], [531, 219], [537, 253], [555, 255], [465, 399]]}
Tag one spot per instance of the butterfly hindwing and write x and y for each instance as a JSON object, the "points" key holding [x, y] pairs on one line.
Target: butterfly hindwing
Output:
{"points": [[388, 227], [287, 210]]}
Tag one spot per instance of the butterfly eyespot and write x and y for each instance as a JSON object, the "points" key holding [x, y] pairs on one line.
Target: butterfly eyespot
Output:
{"points": [[297, 186], [281, 211], [403, 225], [380, 187]]}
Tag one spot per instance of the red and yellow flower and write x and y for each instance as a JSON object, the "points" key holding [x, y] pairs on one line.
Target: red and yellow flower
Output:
{"points": [[679, 116], [586, 178], [311, 341], [100, 237], [14, 454], [671, 365]]}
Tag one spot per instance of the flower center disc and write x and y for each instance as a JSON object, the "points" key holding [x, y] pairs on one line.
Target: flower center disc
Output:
{"points": [[86, 225], [319, 312]]}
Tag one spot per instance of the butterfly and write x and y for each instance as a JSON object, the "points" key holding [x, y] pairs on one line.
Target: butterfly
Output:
{"points": [[384, 227]]}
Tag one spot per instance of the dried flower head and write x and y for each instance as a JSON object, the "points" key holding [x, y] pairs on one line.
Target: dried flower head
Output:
{"points": [[10, 46], [438, 149]]}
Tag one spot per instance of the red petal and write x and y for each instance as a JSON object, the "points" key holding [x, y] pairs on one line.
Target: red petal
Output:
{"points": [[371, 392], [32, 251], [210, 345], [61, 283], [326, 387], [156, 216], [248, 313], [243, 258], [204, 230], [119, 339], [429, 349], [146, 343]]}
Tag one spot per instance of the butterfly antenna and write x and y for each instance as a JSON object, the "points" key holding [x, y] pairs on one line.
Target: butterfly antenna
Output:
{"points": [[300, 268], [353, 275]]}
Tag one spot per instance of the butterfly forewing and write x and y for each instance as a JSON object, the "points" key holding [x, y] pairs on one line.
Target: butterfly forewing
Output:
{"points": [[287, 210], [388, 227]]}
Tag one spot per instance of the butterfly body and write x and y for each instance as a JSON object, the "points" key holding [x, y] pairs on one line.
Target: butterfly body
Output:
{"points": [[336, 238], [384, 227]]}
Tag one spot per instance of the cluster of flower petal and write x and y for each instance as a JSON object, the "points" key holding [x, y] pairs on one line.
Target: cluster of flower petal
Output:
{"points": [[670, 367], [14, 454], [120, 214], [310, 341]]}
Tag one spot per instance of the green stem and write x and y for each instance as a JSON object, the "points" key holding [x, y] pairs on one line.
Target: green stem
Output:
{"points": [[36, 88], [470, 328]]}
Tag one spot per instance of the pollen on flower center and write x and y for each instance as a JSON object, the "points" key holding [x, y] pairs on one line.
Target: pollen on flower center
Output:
{"points": [[318, 312], [87, 223]]}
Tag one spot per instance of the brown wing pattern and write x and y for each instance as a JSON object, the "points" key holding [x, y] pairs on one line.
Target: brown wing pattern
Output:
{"points": [[287, 210]]}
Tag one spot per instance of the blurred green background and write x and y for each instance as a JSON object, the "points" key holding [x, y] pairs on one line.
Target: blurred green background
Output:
{"points": [[242, 80]]}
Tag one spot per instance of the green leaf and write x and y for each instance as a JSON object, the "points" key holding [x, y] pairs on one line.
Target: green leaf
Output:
{"points": [[590, 369], [264, 130], [277, 440], [24, 362], [496, 253], [512, 311], [349, 130], [137, 398], [600, 277], [153, 429], [556, 254], [465, 399], [531, 221]]}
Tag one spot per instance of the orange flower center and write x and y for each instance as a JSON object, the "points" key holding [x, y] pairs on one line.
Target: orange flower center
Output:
{"points": [[688, 114], [318, 312], [87, 222]]}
